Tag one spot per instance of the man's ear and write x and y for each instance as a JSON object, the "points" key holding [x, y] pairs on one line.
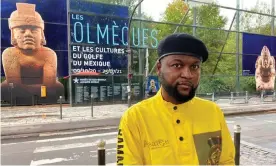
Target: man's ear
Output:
{"points": [[158, 67]]}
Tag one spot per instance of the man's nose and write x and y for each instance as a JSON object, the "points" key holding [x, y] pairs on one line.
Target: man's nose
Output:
{"points": [[186, 73]]}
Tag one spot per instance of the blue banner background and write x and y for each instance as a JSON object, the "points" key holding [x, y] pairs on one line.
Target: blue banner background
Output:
{"points": [[251, 49], [85, 20], [53, 12]]}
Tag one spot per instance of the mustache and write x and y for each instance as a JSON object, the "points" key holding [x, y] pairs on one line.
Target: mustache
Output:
{"points": [[187, 83]]}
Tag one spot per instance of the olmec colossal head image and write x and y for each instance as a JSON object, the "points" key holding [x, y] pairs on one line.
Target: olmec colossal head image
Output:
{"points": [[29, 65]]}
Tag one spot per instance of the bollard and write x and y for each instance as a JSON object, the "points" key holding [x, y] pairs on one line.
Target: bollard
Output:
{"points": [[262, 96], [237, 141], [60, 103], [232, 96], [246, 97], [91, 105], [11, 98], [33, 100], [213, 96], [101, 153], [15, 101], [11, 87], [274, 96]]}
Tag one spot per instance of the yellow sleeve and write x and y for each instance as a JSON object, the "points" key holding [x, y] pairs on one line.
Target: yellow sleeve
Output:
{"points": [[129, 144], [228, 149]]}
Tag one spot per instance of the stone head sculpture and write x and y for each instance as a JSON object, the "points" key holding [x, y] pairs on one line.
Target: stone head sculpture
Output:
{"points": [[27, 27]]}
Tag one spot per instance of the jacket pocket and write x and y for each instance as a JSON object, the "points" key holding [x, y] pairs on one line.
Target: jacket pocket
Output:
{"points": [[162, 156]]}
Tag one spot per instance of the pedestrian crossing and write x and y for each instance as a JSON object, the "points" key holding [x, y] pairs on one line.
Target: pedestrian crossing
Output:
{"points": [[48, 161], [71, 146], [76, 150]]}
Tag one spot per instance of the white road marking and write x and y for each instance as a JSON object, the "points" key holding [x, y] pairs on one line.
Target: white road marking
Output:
{"points": [[250, 118], [77, 137], [270, 121], [229, 121], [71, 146], [48, 161], [107, 150], [111, 164], [63, 139], [56, 160]]}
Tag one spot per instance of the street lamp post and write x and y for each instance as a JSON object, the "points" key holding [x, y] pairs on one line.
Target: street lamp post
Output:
{"points": [[130, 55]]}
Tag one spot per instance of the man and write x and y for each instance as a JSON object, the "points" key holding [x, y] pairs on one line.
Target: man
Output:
{"points": [[174, 127], [29, 65]]}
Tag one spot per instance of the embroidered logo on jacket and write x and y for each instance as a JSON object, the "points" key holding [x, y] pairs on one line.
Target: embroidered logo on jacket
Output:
{"points": [[160, 143]]}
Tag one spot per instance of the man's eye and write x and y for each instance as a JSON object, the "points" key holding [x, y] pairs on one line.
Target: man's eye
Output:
{"points": [[176, 65], [195, 66]]}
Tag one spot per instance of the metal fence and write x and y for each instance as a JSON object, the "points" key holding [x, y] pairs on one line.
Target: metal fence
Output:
{"points": [[238, 22]]}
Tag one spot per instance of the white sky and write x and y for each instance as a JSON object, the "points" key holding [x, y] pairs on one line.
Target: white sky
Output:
{"points": [[155, 8]]}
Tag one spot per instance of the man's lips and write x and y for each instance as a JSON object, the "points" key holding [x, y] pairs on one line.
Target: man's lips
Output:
{"points": [[185, 85]]}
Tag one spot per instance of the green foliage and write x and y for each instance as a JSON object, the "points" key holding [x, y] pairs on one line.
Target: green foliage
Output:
{"points": [[248, 84], [256, 23], [216, 84]]}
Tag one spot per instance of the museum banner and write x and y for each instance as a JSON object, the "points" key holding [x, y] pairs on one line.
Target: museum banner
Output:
{"points": [[42, 40], [34, 48]]}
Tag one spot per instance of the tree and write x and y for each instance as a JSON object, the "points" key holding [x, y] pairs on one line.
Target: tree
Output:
{"points": [[256, 23]]}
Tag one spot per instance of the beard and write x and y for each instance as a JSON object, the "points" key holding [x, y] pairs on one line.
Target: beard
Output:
{"points": [[173, 91]]}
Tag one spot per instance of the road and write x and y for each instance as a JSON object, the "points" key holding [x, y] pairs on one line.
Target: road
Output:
{"points": [[81, 149]]}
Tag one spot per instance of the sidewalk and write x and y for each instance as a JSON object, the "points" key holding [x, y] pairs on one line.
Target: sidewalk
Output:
{"points": [[38, 119]]}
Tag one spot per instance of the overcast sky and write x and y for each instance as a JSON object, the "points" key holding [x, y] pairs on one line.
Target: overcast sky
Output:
{"points": [[155, 8]]}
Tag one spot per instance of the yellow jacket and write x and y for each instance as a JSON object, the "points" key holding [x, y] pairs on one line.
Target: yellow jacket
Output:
{"points": [[156, 132]]}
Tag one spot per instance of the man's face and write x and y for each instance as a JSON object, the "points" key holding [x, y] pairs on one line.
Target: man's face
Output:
{"points": [[152, 83], [179, 76], [28, 37]]}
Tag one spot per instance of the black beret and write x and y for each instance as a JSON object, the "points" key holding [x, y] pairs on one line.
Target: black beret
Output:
{"points": [[182, 44]]}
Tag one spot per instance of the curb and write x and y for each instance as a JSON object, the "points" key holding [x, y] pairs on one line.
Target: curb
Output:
{"points": [[37, 129], [69, 132], [258, 147], [248, 111]]}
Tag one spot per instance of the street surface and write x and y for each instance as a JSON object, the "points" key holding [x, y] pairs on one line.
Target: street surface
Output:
{"points": [[81, 149]]}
